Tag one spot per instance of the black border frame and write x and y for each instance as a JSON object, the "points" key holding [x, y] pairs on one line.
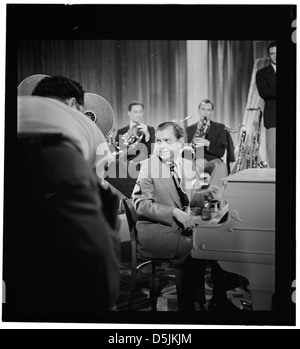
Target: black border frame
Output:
{"points": [[187, 22]]}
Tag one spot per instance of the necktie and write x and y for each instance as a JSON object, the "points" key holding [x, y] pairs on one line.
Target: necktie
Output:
{"points": [[183, 197]]}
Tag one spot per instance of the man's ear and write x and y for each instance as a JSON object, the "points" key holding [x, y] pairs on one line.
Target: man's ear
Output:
{"points": [[71, 102]]}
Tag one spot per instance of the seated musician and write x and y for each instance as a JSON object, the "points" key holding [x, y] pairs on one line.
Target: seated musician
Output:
{"points": [[164, 226], [136, 129], [134, 143], [213, 136]]}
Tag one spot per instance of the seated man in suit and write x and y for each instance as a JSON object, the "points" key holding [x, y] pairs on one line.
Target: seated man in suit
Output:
{"points": [[213, 137], [134, 143], [165, 186]]}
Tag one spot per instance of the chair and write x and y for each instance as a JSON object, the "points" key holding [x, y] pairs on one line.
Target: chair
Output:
{"points": [[138, 262]]}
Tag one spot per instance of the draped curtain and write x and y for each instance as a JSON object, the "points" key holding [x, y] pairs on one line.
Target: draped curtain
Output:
{"points": [[151, 71], [230, 65], [170, 77], [221, 72]]}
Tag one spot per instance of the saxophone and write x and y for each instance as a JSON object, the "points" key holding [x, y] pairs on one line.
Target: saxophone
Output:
{"points": [[201, 131], [256, 144], [248, 165], [241, 153]]}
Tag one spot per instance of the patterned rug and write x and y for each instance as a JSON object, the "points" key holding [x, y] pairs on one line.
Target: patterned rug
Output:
{"points": [[165, 297]]}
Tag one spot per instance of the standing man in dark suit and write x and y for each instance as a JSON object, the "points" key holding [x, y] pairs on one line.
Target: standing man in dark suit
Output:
{"points": [[266, 86], [213, 137]]}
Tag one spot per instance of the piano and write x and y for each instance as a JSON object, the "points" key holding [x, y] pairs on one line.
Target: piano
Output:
{"points": [[241, 234]]}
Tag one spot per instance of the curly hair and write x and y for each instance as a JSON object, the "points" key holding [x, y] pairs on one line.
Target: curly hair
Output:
{"points": [[59, 87]]}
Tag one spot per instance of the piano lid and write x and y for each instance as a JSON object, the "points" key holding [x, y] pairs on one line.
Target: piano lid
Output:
{"points": [[253, 175]]}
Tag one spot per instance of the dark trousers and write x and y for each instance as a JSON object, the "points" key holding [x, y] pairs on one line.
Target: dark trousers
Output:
{"points": [[193, 281]]}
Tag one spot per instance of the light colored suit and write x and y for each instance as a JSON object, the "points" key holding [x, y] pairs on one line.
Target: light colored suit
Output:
{"points": [[155, 197]]}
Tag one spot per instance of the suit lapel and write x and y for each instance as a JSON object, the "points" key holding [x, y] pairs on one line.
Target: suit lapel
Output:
{"points": [[213, 128], [125, 129], [161, 172], [272, 75]]}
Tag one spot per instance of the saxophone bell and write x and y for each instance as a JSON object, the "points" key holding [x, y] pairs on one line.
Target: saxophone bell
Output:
{"points": [[263, 164]]}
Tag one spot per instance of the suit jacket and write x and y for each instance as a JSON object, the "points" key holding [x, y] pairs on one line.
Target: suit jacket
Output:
{"points": [[122, 178], [155, 197], [217, 135], [151, 140], [266, 86], [63, 260]]}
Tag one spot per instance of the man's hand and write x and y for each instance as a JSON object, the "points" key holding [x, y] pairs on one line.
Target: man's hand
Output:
{"points": [[201, 142], [213, 192], [144, 129], [185, 219]]}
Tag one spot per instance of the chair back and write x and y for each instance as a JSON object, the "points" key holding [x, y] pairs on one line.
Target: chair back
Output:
{"points": [[230, 157], [131, 216], [138, 261]]}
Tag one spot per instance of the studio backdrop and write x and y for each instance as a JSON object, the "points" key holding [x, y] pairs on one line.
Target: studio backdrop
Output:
{"points": [[170, 77]]}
